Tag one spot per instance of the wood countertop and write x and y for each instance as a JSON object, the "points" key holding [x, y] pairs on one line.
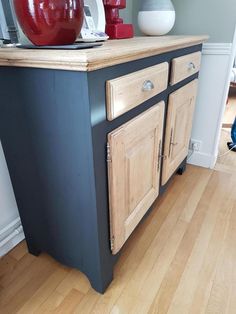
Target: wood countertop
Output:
{"points": [[111, 53]]}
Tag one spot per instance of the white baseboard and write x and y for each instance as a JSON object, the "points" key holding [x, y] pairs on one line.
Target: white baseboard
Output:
{"points": [[217, 48], [11, 244], [10, 236], [202, 160]]}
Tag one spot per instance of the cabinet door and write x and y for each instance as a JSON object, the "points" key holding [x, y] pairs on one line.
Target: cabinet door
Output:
{"points": [[134, 172], [178, 128]]}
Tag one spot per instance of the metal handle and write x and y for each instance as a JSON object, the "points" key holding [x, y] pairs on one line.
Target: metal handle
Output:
{"points": [[171, 135], [148, 85], [171, 141], [191, 66], [159, 155]]}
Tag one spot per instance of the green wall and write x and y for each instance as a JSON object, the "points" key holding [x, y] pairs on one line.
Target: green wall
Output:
{"points": [[126, 14], [130, 14], [216, 18]]}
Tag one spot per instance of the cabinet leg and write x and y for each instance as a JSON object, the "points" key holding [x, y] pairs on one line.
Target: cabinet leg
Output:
{"points": [[101, 283], [181, 169], [33, 249]]}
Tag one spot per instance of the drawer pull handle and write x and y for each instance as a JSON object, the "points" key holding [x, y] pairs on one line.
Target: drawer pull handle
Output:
{"points": [[148, 85], [171, 141], [191, 66]]}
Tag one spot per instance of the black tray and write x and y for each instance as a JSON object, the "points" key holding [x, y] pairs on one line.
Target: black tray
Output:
{"points": [[63, 47]]}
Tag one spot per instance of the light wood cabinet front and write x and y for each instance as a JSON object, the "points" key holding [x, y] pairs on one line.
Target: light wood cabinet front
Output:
{"points": [[127, 92], [185, 66], [178, 128], [134, 171]]}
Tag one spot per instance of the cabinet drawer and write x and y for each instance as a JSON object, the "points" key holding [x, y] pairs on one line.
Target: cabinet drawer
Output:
{"points": [[128, 91], [184, 67]]}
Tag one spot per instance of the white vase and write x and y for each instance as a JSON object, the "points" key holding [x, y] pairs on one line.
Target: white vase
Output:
{"points": [[156, 17]]}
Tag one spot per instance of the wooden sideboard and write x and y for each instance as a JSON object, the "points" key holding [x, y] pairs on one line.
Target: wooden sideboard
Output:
{"points": [[92, 138]]}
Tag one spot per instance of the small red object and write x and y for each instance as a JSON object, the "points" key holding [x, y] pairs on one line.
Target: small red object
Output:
{"points": [[115, 28], [50, 22]]}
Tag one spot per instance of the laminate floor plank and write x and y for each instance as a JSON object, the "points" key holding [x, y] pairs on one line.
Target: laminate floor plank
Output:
{"points": [[137, 246], [169, 234], [224, 280], [19, 292], [41, 295], [51, 303], [222, 205], [208, 269], [69, 303], [170, 283], [87, 303], [7, 264], [19, 251], [17, 271], [180, 260], [74, 279]]}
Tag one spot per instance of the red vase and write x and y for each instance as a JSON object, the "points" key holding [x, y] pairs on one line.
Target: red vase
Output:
{"points": [[50, 22]]}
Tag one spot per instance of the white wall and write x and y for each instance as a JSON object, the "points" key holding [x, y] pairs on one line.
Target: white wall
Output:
{"points": [[10, 230], [126, 13], [210, 101], [217, 19], [214, 17]]}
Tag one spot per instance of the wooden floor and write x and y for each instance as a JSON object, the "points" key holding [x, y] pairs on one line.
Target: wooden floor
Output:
{"points": [[227, 160], [181, 259]]}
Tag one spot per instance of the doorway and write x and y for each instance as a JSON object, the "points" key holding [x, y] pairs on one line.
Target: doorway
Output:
{"points": [[226, 160]]}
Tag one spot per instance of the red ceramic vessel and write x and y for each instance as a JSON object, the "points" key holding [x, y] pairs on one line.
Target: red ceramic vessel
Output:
{"points": [[50, 22]]}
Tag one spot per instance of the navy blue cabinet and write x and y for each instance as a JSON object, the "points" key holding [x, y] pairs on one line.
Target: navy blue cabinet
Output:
{"points": [[54, 131]]}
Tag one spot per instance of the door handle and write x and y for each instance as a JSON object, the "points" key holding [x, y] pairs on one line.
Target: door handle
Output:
{"points": [[171, 141], [160, 156], [171, 138]]}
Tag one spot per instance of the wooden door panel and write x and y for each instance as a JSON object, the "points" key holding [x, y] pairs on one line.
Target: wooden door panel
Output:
{"points": [[178, 128], [141, 156], [134, 172]]}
